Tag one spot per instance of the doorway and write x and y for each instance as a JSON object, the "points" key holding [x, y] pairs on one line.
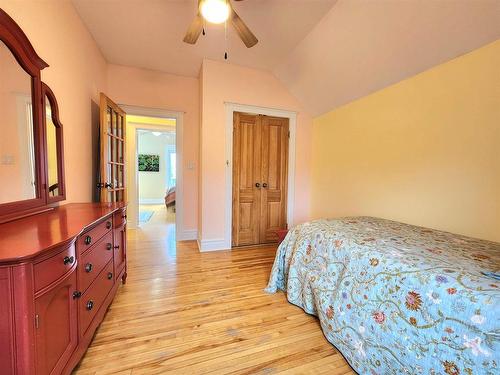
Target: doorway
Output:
{"points": [[260, 178], [165, 124], [156, 174]]}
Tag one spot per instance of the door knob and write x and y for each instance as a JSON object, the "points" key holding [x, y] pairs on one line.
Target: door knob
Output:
{"points": [[257, 185], [264, 185]]}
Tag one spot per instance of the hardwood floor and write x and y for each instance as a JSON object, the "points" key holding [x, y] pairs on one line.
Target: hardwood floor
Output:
{"points": [[187, 312]]}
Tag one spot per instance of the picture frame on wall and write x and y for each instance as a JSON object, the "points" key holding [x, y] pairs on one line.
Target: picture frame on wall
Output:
{"points": [[149, 163]]}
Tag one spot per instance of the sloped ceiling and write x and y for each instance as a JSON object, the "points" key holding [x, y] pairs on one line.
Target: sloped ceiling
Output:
{"points": [[326, 52], [148, 33], [362, 46]]}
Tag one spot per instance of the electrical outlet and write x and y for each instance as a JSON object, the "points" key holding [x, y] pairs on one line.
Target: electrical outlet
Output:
{"points": [[7, 160]]}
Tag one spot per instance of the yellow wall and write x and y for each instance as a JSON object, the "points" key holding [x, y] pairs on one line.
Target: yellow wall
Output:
{"points": [[51, 149], [425, 151]]}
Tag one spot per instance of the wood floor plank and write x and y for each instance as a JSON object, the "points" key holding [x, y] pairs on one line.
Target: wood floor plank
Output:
{"points": [[186, 312]]}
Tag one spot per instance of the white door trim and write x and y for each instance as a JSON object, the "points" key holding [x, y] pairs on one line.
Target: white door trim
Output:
{"points": [[292, 117], [179, 192]]}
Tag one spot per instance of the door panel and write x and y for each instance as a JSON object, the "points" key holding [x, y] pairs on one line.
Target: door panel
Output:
{"points": [[56, 323], [120, 251], [260, 156], [274, 177], [6, 324], [113, 138], [246, 173]]}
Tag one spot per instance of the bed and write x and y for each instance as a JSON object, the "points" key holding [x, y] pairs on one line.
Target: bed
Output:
{"points": [[395, 298], [170, 197]]}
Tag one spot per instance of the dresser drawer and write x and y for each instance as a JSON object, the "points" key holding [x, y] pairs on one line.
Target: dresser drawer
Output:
{"points": [[94, 260], [93, 235], [51, 269], [91, 301]]}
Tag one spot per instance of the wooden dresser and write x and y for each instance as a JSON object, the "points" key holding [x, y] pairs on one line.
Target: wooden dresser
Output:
{"points": [[59, 272]]}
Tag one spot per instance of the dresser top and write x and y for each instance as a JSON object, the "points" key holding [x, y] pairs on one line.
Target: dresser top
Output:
{"points": [[27, 237]]}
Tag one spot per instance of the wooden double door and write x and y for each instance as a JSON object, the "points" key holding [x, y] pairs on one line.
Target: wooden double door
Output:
{"points": [[260, 178]]}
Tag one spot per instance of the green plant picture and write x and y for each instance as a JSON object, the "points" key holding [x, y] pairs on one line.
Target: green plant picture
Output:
{"points": [[149, 163]]}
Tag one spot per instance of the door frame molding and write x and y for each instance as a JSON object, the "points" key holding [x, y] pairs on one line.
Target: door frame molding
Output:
{"points": [[179, 192], [292, 123]]}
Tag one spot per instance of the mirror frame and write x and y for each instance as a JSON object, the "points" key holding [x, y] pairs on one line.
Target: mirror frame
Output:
{"points": [[47, 93], [24, 53]]}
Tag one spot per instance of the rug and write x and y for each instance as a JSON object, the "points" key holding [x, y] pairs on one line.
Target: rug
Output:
{"points": [[145, 215]]}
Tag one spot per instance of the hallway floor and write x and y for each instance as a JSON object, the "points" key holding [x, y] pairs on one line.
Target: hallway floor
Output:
{"points": [[161, 215], [187, 312]]}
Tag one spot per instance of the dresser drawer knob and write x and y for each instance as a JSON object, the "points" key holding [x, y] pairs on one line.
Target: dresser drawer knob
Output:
{"points": [[88, 240], [90, 305], [110, 275], [109, 246], [108, 225], [69, 260], [88, 267], [77, 294]]}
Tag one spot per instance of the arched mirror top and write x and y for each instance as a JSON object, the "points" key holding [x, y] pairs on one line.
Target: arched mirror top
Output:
{"points": [[20, 46], [51, 102]]}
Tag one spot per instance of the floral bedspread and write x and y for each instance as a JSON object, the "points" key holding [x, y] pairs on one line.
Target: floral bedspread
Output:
{"points": [[395, 298]]}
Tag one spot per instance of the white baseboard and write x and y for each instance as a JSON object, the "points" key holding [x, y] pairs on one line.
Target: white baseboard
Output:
{"points": [[152, 201], [187, 235], [212, 245]]}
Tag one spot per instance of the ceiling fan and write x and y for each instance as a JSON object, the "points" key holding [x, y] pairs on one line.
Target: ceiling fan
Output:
{"points": [[218, 11]]}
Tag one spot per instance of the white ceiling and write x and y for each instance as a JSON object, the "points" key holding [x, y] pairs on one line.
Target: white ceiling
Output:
{"points": [[148, 33], [362, 46], [326, 52]]}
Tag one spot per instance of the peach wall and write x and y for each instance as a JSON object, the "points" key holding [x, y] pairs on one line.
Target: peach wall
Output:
{"points": [[147, 88], [222, 83], [424, 151], [76, 74]]}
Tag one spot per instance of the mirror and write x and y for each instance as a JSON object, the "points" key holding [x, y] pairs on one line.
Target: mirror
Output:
{"points": [[52, 173], [53, 147], [17, 141], [31, 138]]}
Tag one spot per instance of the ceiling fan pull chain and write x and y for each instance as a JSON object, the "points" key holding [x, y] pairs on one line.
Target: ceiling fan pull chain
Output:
{"points": [[225, 40]]}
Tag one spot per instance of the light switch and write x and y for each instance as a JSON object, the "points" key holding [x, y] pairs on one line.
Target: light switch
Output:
{"points": [[190, 164]]}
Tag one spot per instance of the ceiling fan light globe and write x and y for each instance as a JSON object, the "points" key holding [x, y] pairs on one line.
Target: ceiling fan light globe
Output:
{"points": [[215, 11]]}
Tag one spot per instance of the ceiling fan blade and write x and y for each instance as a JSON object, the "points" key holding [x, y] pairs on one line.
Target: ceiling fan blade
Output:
{"points": [[194, 30], [242, 29]]}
